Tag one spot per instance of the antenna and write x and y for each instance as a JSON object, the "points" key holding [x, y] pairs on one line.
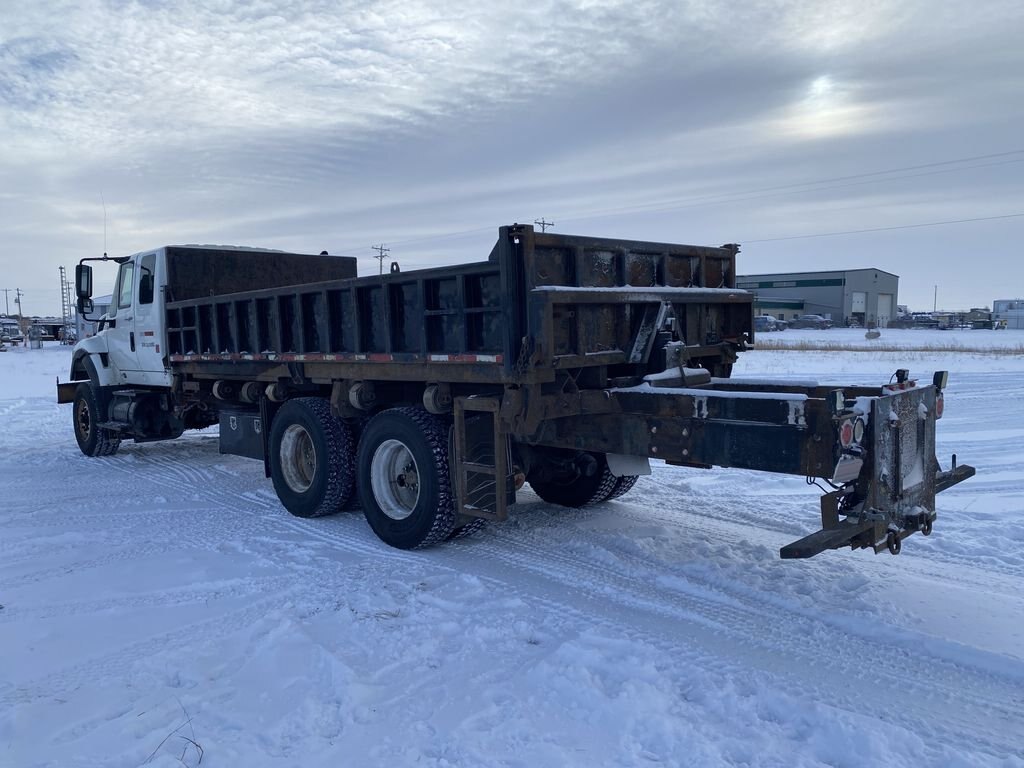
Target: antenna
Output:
{"points": [[104, 203]]}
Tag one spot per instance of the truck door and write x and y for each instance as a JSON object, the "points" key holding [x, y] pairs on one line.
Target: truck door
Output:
{"points": [[149, 320], [121, 342]]}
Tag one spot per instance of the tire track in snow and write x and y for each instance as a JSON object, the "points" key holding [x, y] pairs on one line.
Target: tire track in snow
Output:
{"points": [[116, 663], [205, 592], [777, 644]]}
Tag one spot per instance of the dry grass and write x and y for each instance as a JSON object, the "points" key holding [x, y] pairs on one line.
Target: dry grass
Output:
{"points": [[815, 345]]}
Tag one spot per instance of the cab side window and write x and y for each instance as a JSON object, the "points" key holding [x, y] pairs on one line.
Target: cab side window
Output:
{"points": [[147, 280], [125, 283]]}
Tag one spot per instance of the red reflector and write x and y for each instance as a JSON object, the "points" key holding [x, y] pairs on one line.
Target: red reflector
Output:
{"points": [[846, 434], [940, 404]]}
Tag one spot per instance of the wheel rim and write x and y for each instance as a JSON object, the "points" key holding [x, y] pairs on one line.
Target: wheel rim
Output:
{"points": [[82, 419], [298, 458], [395, 479]]}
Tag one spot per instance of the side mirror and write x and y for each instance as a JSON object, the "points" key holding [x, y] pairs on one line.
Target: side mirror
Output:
{"points": [[83, 282], [84, 306]]}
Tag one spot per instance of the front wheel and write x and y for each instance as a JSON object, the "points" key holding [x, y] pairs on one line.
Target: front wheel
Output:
{"points": [[404, 482], [93, 440], [311, 458]]}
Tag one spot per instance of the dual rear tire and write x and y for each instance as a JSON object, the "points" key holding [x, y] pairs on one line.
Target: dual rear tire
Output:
{"points": [[311, 458], [405, 485], [584, 490], [399, 470]]}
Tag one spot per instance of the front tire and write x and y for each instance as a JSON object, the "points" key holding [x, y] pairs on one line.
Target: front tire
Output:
{"points": [[88, 413], [311, 458], [404, 482]]}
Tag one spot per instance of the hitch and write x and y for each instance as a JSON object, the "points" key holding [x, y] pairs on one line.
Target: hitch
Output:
{"points": [[950, 477]]}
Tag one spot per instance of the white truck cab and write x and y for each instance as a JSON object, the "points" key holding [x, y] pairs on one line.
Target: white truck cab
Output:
{"points": [[122, 379], [130, 345]]}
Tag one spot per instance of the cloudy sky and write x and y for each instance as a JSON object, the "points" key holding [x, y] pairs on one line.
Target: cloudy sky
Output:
{"points": [[313, 124]]}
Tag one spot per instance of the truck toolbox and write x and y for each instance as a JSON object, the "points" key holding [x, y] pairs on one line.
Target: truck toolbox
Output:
{"points": [[241, 433]]}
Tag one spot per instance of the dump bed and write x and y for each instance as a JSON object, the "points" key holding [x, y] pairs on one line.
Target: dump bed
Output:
{"points": [[201, 271], [541, 301]]}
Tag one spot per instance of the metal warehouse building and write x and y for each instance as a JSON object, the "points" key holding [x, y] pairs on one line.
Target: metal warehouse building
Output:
{"points": [[860, 295], [1009, 311]]}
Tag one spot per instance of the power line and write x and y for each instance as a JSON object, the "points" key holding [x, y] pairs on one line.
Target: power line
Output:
{"points": [[882, 229], [811, 186], [422, 239], [897, 170], [543, 224], [754, 194]]}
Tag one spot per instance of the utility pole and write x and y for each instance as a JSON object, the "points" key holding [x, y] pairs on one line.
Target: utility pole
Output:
{"points": [[935, 301], [7, 301], [381, 250], [543, 224], [17, 300]]}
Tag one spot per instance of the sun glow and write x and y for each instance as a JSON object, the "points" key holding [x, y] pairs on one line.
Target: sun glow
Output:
{"points": [[827, 108]]}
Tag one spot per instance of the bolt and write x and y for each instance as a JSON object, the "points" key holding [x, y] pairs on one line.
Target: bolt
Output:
{"points": [[686, 452], [654, 430], [654, 449]]}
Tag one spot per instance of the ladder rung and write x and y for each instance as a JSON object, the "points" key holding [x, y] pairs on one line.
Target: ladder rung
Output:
{"points": [[483, 469]]}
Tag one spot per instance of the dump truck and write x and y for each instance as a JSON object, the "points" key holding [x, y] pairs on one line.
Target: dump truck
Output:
{"points": [[432, 396]]}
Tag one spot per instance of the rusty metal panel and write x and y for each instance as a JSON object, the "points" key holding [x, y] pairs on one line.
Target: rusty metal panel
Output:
{"points": [[341, 320], [195, 272], [288, 327], [487, 308], [902, 429]]}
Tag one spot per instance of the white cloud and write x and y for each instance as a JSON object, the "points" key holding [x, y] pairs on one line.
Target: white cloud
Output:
{"points": [[291, 122]]}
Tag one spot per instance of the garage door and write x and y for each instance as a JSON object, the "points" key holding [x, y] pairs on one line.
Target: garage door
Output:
{"points": [[884, 309]]}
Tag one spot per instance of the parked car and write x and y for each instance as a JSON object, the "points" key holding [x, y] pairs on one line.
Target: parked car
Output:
{"points": [[810, 321], [769, 323]]}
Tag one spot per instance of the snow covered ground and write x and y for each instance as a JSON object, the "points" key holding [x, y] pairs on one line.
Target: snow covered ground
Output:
{"points": [[161, 602]]}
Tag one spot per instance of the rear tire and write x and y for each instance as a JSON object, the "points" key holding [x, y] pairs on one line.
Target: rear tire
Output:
{"points": [[623, 485], [580, 491], [311, 458], [404, 482], [88, 412], [463, 530]]}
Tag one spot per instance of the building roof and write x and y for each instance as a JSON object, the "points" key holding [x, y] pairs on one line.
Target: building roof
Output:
{"points": [[778, 301], [815, 272]]}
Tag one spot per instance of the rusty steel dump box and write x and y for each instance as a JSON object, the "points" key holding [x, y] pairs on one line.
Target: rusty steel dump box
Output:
{"points": [[540, 303]]}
